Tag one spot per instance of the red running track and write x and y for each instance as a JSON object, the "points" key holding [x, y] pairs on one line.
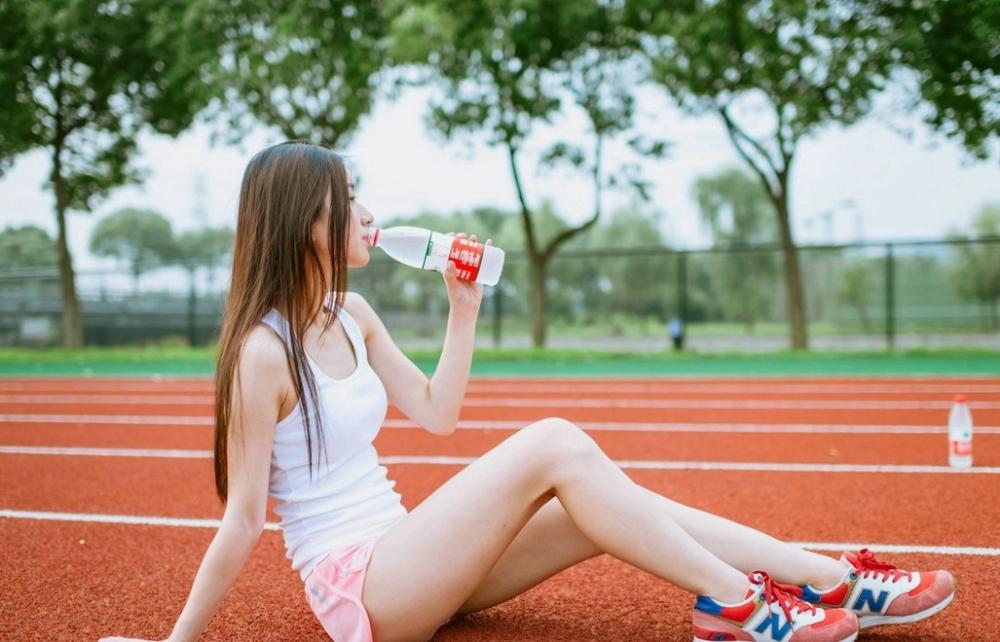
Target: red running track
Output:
{"points": [[79, 580]]}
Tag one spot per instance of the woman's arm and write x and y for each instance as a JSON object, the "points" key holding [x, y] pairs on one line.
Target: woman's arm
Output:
{"points": [[434, 403], [257, 399]]}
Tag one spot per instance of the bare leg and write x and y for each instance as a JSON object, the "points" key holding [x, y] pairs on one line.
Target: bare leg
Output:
{"points": [[748, 549], [550, 542], [425, 568]]}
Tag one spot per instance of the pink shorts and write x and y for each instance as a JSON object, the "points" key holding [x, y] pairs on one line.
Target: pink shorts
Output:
{"points": [[333, 590]]}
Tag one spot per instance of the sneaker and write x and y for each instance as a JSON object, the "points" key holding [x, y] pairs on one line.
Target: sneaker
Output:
{"points": [[771, 612], [880, 593]]}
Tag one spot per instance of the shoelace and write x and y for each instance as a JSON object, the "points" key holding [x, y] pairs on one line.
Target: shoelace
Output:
{"points": [[786, 595], [866, 563]]}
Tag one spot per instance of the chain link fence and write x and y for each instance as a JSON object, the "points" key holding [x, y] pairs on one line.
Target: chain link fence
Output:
{"points": [[859, 296]]}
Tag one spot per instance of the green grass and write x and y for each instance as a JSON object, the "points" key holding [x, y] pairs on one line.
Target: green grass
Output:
{"points": [[180, 361]]}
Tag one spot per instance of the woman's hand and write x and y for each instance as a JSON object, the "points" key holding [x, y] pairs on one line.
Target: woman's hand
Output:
{"points": [[463, 296]]}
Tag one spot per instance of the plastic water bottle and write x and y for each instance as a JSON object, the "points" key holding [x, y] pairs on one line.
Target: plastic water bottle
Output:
{"points": [[420, 248], [960, 434]]}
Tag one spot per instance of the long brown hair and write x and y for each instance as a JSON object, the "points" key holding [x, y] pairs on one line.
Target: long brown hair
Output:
{"points": [[276, 265]]}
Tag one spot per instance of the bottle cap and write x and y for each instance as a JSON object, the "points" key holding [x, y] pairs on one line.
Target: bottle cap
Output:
{"points": [[959, 399]]}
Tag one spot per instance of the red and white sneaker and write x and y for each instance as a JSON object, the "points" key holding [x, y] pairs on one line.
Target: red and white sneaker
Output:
{"points": [[771, 612], [880, 593]]}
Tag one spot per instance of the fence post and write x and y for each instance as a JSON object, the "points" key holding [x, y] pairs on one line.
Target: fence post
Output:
{"points": [[192, 330], [890, 298], [682, 287], [497, 314]]}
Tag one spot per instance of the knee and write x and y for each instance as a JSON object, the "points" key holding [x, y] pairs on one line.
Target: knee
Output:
{"points": [[561, 441]]}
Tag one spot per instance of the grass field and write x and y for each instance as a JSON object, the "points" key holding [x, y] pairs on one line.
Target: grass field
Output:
{"points": [[178, 361]]}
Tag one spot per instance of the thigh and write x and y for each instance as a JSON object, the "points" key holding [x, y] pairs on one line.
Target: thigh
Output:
{"points": [[550, 542], [426, 566]]}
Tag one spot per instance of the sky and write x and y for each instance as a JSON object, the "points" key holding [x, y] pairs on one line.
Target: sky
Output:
{"points": [[866, 182]]}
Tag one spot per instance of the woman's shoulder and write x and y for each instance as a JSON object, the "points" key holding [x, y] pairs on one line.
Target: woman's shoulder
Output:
{"points": [[263, 350], [361, 311]]}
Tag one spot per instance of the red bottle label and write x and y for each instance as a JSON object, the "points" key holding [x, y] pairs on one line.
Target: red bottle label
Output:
{"points": [[961, 447], [467, 256]]}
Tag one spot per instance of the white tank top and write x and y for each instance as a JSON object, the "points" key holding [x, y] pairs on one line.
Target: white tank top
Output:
{"points": [[349, 497]]}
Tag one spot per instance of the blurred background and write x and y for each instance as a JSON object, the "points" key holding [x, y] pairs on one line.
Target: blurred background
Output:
{"points": [[759, 175]]}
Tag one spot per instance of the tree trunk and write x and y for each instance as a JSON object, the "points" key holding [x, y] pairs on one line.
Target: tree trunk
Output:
{"points": [[793, 278], [72, 320], [539, 297]]}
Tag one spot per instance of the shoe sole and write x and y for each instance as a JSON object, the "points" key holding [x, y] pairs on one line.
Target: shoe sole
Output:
{"points": [[850, 638], [867, 621]]}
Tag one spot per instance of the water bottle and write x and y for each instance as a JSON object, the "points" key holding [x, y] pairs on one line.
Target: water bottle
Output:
{"points": [[420, 248], [960, 434]]}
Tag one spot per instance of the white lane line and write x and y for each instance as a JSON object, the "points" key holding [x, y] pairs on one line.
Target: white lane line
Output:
{"points": [[723, 404], [831, 387], [567, 402], [179, 522], [755, 387], [80, 451], [158, 420], [474, 424], [627, 464], [91, 399], [139, 520]]}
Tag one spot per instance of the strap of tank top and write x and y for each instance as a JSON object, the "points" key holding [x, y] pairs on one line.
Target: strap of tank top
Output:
{"points": [[354, 333], [279, 324]]}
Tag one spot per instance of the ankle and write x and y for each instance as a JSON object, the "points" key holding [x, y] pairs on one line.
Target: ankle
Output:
{"points": [[732, 591], [829, 576]]}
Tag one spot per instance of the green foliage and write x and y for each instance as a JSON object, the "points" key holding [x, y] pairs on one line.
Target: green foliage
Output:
{"points": [[855, 289], [977, 274], [82, 78], [504, 67], [736, 210], [952, 48], [140, 237], [26, 246], [308, 68], [205, 247], [811, 62]]}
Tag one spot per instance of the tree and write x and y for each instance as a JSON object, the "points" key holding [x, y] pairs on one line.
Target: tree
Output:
{"points": [[308, 67], [775, 72], [80, 80], [951, 47], [139, 237], [205, 247], [26, 246], [736, 210], [977, 274], [507, 66]]}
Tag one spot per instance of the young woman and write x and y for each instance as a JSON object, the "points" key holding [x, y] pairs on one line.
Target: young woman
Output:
{"points": [[304, 375]]}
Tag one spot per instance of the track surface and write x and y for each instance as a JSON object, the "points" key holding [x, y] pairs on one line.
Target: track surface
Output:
{"points": [[816, 461]]}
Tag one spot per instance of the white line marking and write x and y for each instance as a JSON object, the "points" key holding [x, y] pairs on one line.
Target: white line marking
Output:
{"points": [[74, 451], [567, 402], [723, 404], [750, 387], [159, 420], [667, 427], [92, 399], [179, 522], [627, 464], [668, 385], [139, 520]]}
